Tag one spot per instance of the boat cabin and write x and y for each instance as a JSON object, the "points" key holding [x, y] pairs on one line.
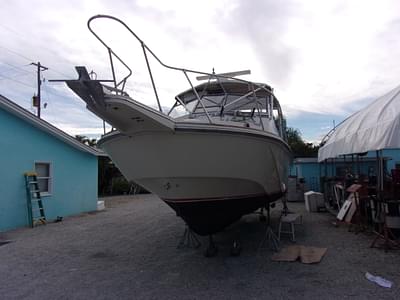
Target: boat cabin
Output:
{"points": [[251, 104]]}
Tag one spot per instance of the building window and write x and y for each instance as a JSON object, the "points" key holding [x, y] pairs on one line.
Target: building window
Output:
{"points": [[43, 171]]}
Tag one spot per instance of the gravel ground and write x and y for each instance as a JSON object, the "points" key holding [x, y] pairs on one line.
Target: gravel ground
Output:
{"points": [[129, 251]]}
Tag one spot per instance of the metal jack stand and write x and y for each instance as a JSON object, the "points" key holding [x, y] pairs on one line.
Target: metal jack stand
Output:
{"points": [[262, 217], [270, 236], [212, 249], [189, 240], [388, 238]]}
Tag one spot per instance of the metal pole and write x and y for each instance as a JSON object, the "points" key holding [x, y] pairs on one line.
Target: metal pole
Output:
{"points": [[377, 172], [39, 83], [380, 171], [198, 97], [151, 77], [345, 167]]}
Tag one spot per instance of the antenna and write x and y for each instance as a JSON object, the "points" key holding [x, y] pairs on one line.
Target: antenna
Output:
{"points": [[229, 74]]}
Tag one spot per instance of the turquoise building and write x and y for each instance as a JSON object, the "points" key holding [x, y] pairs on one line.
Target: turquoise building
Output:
{"points": [[308, 170], [66, 168], [311, 172]]}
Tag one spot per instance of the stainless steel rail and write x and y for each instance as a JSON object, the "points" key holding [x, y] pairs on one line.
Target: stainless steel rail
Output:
{"points": [[119, 86]]}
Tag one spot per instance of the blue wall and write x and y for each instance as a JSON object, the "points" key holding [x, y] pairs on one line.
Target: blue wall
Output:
{"points": [[311, 171], [74, 173], [392, 154]]}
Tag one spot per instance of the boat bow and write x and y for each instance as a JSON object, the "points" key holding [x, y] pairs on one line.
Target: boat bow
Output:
{"points": [[116, 107]]}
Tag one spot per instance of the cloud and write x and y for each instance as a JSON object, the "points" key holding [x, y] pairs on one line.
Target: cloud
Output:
{"points": [[263, 25], [346, 55], [322, 57]]}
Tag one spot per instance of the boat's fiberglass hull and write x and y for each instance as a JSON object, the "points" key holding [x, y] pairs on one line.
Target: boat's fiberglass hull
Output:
{"points": [[211, 172], [210, 177]]}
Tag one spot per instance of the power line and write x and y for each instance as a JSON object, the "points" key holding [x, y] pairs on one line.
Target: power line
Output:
{"points": [[17, 75], [57, 94], [32, 72], [17, 81], [25, 57], [60, 73], [11, 30], [24, 37], [16, 53], [16, 67]]}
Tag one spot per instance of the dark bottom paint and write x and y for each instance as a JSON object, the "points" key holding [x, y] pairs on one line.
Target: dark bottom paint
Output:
{"points": [[207, 217]]}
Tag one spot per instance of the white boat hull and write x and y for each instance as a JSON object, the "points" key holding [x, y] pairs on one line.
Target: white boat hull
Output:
{"points": [[211, 172], [193, 168]]}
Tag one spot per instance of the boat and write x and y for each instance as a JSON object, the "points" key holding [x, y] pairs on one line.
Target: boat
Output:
{"points": [[224, 157]]}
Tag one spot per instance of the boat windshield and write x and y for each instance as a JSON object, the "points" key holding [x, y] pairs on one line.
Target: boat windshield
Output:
{"points": [[233, 98]]}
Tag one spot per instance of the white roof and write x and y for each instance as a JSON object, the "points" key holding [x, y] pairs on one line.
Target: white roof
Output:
{"points": [[305, 160], [27, 116], [375, 127]]}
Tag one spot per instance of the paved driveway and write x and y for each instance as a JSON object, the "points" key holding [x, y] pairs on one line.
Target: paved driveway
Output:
{"points": [[129, 251]]}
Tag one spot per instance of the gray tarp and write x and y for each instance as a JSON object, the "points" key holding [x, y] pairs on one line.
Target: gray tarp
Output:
{"points": [[375, 127]]}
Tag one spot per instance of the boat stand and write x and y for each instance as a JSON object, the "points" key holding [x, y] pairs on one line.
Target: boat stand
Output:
{"points": [[387, 239], [262, 217], [189, 240], [212, 249], [270, 237]]}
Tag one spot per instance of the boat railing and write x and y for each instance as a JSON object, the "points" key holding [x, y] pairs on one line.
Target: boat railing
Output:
{"points": [[119, 86]]}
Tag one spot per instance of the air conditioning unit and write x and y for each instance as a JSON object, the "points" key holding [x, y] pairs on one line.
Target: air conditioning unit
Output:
{"points": [[314, 201]]}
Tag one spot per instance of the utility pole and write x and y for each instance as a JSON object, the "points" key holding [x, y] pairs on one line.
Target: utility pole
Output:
{"points": [[39, 82]]}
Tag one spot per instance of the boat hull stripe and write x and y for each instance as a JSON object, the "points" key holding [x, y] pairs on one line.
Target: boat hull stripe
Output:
{"points": [[224, 198]]}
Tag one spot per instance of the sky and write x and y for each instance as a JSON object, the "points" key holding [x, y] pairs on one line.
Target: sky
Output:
{"points": [[324, 59]]}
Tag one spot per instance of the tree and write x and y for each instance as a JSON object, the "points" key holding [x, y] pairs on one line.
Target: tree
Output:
{"points": [[299, 147], [111, 181], [85, 140]]}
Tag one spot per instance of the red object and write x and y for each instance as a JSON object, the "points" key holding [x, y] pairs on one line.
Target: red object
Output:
{"points": [[396, 176]]}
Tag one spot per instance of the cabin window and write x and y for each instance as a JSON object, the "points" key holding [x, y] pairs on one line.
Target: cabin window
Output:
{"points": [[43, 171]]}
